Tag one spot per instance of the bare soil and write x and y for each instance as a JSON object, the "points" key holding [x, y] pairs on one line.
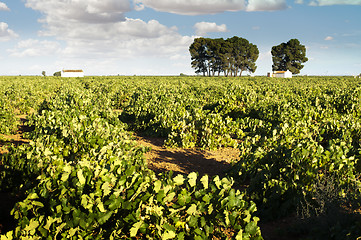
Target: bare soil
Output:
{"points": [[16, 139], [179, 160], [7, 200]]}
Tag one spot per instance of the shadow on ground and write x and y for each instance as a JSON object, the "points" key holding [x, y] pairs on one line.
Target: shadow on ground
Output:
{"points": [[184, 161]]}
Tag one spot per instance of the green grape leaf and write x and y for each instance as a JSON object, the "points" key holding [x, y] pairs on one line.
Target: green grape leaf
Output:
{"points": [[204, 181], [135, 228], [192, 210], [157, 186], [179, 179], [168, 235], [192, 179], [81, 177]]}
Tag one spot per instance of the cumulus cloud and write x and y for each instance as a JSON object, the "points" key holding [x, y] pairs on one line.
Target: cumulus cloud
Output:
{"points": [[334, 2], [202, 28], [199, 7], [133, 38], [3, 7], [328, 38], [129, 29], [266, 5], [91, 11], [193, 7], [98, 29], [5, 33], [299, 1], [33, 48]]}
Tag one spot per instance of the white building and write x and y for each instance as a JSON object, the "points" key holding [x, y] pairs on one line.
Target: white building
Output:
{"points": [[72, 73], [280, 74]]}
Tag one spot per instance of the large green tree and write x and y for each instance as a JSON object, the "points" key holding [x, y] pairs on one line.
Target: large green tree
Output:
{"points": [[214, 47], [226, 57], [199, 56], [205, 53], [289, 56], [231, 56], [245, 55]]}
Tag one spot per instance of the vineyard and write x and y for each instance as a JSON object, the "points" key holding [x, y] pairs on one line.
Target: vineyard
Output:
{"points": [[78, 172]]}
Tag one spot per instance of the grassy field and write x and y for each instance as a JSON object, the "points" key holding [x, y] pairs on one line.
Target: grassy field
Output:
{"points": [[74, 168]]}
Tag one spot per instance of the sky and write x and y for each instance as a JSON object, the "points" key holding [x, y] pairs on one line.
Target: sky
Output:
{"points": [[152, 37]]}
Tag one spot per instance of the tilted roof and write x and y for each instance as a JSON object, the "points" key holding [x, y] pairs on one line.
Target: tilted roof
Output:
{"points": [[72, 70]]}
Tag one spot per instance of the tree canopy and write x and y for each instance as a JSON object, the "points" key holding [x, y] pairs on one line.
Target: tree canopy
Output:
{"points": [[289, 56], [231, 56]]}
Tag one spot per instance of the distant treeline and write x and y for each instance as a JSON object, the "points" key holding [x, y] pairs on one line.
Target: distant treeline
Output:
{"points": [[234, 55]]}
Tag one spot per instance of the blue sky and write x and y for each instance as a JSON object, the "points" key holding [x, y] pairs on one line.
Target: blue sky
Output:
{"points": [[151, 37]]}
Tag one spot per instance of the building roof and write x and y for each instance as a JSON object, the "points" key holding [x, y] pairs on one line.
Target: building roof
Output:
{"points": [[72, 70]]}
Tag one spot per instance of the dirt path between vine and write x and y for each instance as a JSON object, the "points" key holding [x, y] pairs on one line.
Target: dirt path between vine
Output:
{"points": [[179, 160], [8, 200], [159, 158], [15, 139]]}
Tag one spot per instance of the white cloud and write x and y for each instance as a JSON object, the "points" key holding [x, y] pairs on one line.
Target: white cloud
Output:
{"points": [[97, 29], [37, 68], [199, 7], [127, 39], [179, 57], [91, 11], [130, 41], [313, 3], [335, 2], [193, 7], [129, 29], [328, 38], [3, 7], [202, 28], [266, 5], [299, 1], [34, 47], [5, 33]]}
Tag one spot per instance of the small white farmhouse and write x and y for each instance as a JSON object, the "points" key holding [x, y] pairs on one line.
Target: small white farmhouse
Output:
{"points": [[72, 73], [281, 74]]}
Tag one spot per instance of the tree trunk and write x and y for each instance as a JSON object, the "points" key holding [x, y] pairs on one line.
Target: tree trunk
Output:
{"points": [[235, 71]]}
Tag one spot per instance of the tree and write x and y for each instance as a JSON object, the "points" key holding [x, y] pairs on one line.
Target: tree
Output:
{"points": [[211, 56], [198, 51], [43, 73], [226, 58], [245, 55], [214, 47], [57, 74], [205, 55], [289, 56]]}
